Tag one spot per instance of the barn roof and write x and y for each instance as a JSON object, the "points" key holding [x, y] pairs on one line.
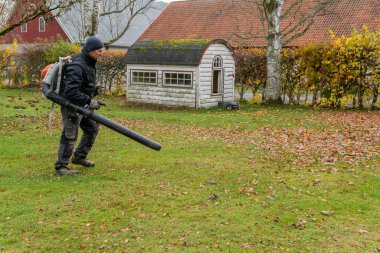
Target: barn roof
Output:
{"points": [[186, 52], [238, 21]]}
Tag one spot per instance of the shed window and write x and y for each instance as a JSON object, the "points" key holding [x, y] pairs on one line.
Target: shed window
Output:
{"points": [[24, 28], [41, 24], [218, 63], [144, 77], [178, 79]]}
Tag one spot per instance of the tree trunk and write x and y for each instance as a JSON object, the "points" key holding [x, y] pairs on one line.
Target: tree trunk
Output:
{"points": [[91, 17], [290, 94], [360, 96], [241, 92], [299, 92], [306, 95], [273, 87], [375, 95], [315, 96]]}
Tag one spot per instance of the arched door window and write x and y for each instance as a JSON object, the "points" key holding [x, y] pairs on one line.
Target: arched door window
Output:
{"points": [[218, 62], [217, 68]]}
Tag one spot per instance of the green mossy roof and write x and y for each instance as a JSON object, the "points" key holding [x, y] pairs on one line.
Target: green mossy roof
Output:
{"points": [[186, 52]]}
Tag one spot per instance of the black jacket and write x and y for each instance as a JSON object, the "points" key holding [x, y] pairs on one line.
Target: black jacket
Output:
{"points": [[80, 79]]}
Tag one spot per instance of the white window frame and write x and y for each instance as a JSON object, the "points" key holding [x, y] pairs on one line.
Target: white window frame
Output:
{"points": [[144, 77], [164, 79], [24, 27], [41, 21]]}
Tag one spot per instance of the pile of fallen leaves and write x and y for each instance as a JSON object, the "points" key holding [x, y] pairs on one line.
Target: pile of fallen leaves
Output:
{"points": [[343, 136]]}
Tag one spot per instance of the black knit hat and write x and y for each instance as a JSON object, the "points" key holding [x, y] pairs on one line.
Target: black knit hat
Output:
{"points": [[92, 43]]}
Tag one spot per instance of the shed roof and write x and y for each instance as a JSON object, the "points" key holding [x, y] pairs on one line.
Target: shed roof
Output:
{"points": [[186, 52]]}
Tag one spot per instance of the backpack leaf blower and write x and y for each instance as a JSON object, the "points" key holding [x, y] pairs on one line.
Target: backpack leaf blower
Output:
{"points": [[49, 87]]}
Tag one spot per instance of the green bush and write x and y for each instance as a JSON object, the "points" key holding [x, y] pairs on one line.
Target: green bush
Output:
{"points": [[32, 59], [111, 72]]}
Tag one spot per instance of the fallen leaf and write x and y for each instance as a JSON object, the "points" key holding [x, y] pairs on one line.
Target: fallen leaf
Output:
{"points": [[213, 196], [300, 223], [327, 213], [212, 181], [246, 245], [362, 231]]}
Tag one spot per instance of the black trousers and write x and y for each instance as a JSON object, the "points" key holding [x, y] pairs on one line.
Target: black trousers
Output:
{"points": [[71, 123]]}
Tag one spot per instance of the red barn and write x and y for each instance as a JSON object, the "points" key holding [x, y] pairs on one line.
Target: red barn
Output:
{"points": [[48, 28], [70, 26]]}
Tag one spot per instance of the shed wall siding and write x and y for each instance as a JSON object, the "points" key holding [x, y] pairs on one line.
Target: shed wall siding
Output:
{"points": [[207, 99], [159, 94]]}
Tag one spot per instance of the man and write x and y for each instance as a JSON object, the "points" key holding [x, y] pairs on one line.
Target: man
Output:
{"points": [[80, 88]]}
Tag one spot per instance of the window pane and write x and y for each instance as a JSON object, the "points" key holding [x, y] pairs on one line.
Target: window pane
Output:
{"points": [[217, 62], [180, 79], [23, 28], [141, 77]]}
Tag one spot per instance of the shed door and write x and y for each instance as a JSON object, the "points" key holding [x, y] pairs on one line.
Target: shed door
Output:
{"points": [[217, 81]]}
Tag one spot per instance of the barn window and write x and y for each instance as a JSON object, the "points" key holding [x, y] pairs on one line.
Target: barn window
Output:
{"points": [[216, 85], [178, 79], [24, 28], [144, 77], [41, 24]]}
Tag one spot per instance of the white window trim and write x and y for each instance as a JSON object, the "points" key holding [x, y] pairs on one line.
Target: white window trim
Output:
{"points": [[25, 25], [41, 19], [143, 71], [177, 85]]}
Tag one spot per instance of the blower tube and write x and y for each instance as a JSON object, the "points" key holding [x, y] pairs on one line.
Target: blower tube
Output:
{"points": [[51, 95]]}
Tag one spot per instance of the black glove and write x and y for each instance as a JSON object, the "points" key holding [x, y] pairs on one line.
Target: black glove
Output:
{"points": [[94, 105], [98, 89]]}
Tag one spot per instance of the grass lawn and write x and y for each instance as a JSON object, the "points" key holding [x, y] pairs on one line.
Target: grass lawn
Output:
{"points": [[261, 179]]}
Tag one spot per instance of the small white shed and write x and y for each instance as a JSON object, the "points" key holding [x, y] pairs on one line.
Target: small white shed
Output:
{"points": [[191, 73]]}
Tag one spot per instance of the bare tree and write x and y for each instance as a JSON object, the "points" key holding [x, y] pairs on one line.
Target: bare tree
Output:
{"points": [[115, 16], [299, 15], [28, 10]]}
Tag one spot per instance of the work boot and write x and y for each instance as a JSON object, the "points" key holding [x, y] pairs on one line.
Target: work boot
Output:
{"points": [[65, 171], [83, 162]]}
